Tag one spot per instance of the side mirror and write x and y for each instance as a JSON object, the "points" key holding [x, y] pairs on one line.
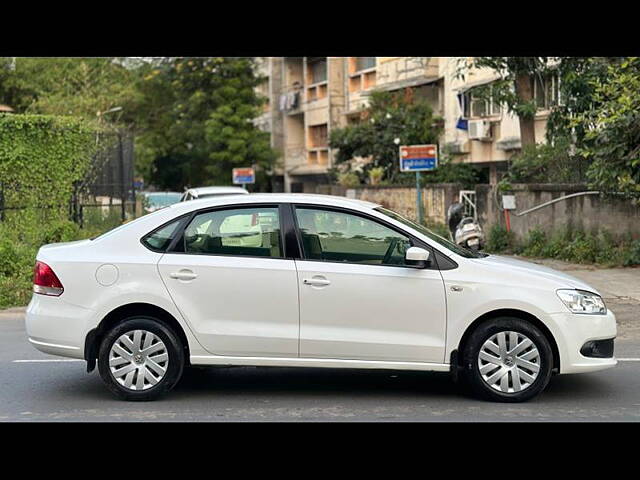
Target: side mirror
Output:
{"points": [[417, 256]]}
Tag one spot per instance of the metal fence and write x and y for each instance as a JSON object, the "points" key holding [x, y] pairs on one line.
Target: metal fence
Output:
{"points": [[106, 197]]}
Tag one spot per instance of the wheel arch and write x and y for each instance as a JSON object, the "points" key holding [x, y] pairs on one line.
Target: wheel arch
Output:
{"points": [[510, 312], [117, 315]]}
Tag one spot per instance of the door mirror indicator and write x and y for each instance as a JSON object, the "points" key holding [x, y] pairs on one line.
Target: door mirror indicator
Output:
{"points": [[417, 256]]}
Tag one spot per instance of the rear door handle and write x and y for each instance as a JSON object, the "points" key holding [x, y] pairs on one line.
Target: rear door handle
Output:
{"points": [[183, 275], [316, 282]]}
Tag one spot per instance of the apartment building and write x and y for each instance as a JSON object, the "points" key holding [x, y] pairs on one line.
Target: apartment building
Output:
{"points": [[310, 96]]}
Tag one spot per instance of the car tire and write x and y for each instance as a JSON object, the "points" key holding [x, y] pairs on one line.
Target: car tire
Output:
{"points": [[140, 359], [507, 360]]}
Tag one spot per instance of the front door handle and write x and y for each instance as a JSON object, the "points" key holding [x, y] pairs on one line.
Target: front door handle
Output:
{"points": [[183, 275], [316, 281]]}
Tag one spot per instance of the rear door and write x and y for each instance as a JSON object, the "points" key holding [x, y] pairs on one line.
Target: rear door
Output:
{"points": [[232, 283]]}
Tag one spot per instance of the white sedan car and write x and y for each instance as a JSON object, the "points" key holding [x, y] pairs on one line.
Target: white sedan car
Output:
{"points": [[308, 281]]}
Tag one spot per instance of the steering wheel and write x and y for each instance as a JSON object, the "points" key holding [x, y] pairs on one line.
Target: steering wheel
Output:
{"points": [[389, 252]]}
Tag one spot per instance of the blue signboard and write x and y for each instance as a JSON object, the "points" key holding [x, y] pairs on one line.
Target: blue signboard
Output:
{"points": [[244, 175], [417, 158], [418, 164]]}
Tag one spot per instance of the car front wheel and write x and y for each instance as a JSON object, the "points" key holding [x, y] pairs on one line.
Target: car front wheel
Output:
{"points": [[140, 359], [508, 360]]}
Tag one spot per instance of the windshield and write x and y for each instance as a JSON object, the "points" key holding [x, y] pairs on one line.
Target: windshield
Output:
{"points": [[203, 195], [163, 199], [463, 252]]}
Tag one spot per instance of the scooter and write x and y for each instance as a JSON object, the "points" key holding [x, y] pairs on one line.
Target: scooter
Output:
{"points": [[465, 231]]}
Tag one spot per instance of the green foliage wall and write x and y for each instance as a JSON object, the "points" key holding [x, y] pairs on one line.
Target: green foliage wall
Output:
{"points": [[41, 156]]}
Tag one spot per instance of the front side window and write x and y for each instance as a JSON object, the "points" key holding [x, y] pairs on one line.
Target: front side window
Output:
{"points": [[463, 252], [342, 237], [244, 231]]}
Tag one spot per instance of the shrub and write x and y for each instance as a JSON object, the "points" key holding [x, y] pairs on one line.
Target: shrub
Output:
{"points": [[349, 180], [534, 243], [60, 231], [579, 247], [16, 267], [631, 256], [499, 240], [438, 228], [41, 156]]}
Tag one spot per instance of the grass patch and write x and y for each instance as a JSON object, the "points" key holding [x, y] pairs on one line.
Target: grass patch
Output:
{"points": [[18, 250], [600, 248]]}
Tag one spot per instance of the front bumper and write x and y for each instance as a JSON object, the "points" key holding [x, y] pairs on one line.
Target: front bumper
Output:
{"points": [[575, 330]]}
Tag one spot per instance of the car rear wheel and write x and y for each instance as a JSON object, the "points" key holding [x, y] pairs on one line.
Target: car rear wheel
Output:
{"points": [[508, 360], [140, 359]]}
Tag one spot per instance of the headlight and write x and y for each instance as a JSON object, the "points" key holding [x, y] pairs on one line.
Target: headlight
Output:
{"points": [[579, 301]]}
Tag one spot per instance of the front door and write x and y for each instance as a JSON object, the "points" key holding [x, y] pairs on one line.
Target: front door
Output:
{"points": [[358, 299], [233, 285]]}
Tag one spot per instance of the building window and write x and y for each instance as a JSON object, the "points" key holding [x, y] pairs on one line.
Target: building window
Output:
{"points": [[316, 78], [318, 144], [476, 106], [364, 63], [318, 136], [361, 73], [546, 91], [317, 70]]}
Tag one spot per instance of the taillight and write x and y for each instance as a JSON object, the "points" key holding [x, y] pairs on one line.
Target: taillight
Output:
{"points": [[45, 281]]}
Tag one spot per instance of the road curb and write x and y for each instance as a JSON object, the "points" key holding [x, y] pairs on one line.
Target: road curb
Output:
{"points": [[12, 311]]}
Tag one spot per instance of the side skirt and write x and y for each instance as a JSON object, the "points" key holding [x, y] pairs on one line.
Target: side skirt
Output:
{"points": [[315, 362]]}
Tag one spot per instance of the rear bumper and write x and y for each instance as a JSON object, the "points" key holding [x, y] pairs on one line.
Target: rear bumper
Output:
{"points": [[56, 349], [575, 331], [57, 327]]}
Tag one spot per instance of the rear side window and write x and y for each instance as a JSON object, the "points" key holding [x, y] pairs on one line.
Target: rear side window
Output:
{"points": [[160, 239], [244, 231]]}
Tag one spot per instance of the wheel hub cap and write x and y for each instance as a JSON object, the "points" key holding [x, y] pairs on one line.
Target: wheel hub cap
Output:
{"points": [[509, 362], [138, 360]]}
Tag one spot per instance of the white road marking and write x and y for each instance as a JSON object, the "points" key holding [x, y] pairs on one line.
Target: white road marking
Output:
{"points": [[46, 360], [50, 360]]}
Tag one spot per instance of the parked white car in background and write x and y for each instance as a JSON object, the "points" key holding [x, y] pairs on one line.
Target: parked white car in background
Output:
{"points": [[205, 192], [156, 200], [309, 281]]}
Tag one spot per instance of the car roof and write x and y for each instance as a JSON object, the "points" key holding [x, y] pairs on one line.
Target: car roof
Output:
{"points": [[219, 190], [316, 199]]}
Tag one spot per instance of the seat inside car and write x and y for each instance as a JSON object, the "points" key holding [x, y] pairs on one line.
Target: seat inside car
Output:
{"points": [[310, 240]]}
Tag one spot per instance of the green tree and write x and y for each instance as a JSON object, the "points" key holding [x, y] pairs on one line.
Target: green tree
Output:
{"points": [[196, 113], [81, 87], [611, 138], [579, 77], [514, 88], [465, 174], [230, 134], [392, 119]]}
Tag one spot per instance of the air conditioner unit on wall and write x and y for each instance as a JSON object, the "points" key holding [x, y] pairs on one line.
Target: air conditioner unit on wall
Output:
{"points": [[479, 130]]}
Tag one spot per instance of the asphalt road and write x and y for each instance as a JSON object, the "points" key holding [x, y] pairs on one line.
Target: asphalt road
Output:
{"points": [[62, 390]]}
